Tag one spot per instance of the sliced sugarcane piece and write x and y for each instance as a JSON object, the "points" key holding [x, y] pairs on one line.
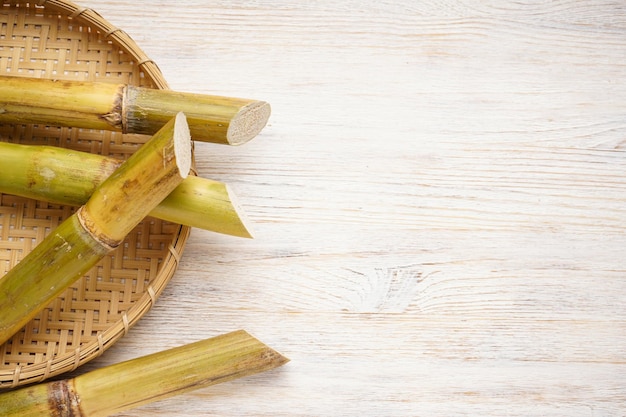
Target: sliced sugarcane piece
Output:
{"points": [[129, 109], [226, 120], [97, 228], [150, 378], [205, 204], [63, 176]]}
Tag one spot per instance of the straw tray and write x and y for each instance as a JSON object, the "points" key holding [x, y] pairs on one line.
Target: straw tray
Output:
{"points": [[60, 40]]}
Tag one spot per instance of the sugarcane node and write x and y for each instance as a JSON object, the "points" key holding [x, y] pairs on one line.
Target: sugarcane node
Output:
{"points": [[63, 399], [91, 227], [116, 116]]}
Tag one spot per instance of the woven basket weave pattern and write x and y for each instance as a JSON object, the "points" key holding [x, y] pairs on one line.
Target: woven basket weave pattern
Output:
{"points": [[60, 40]]}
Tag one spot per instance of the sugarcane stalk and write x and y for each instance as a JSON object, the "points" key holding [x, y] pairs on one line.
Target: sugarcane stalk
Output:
{"points": [[150, 378], [97, 228], [129, 109], [63, 176]]}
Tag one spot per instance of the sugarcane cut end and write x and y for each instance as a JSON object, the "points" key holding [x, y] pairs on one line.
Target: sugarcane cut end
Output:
{"points": [[248, 123], [182, 145], [244, 225]]}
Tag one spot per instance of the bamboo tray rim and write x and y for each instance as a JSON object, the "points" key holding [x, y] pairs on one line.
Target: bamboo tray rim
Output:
{"points": [[13, 375]]}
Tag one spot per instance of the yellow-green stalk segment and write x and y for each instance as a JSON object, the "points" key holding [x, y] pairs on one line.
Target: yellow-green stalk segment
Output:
{"points": [[232, 121], [61, 103], [129, 384], [129, 109], [63, 176], [140, 183], [97, 228]]}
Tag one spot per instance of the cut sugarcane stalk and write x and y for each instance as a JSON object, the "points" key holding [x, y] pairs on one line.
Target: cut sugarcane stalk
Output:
{"points": [[129, 109], [129, 384], [97, 228], [69, 177]]}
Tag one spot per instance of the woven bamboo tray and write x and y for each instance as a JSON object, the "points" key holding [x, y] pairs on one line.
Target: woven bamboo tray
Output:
{"points": [[60, 40]]}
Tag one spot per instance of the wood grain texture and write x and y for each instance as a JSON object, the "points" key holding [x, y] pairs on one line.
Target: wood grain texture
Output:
{"points": [[439, 203]]}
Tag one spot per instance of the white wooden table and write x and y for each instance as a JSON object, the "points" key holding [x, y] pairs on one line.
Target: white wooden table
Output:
{"points": [[439, 203]]}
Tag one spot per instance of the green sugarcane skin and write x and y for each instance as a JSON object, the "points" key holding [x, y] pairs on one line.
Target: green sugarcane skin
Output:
{"points": [[146, 109], [63, 176], [52, 174], [31, 401], [205, 204], [175, 371], [49, 270], [61, 103], [150, 378], [144, 112]]}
